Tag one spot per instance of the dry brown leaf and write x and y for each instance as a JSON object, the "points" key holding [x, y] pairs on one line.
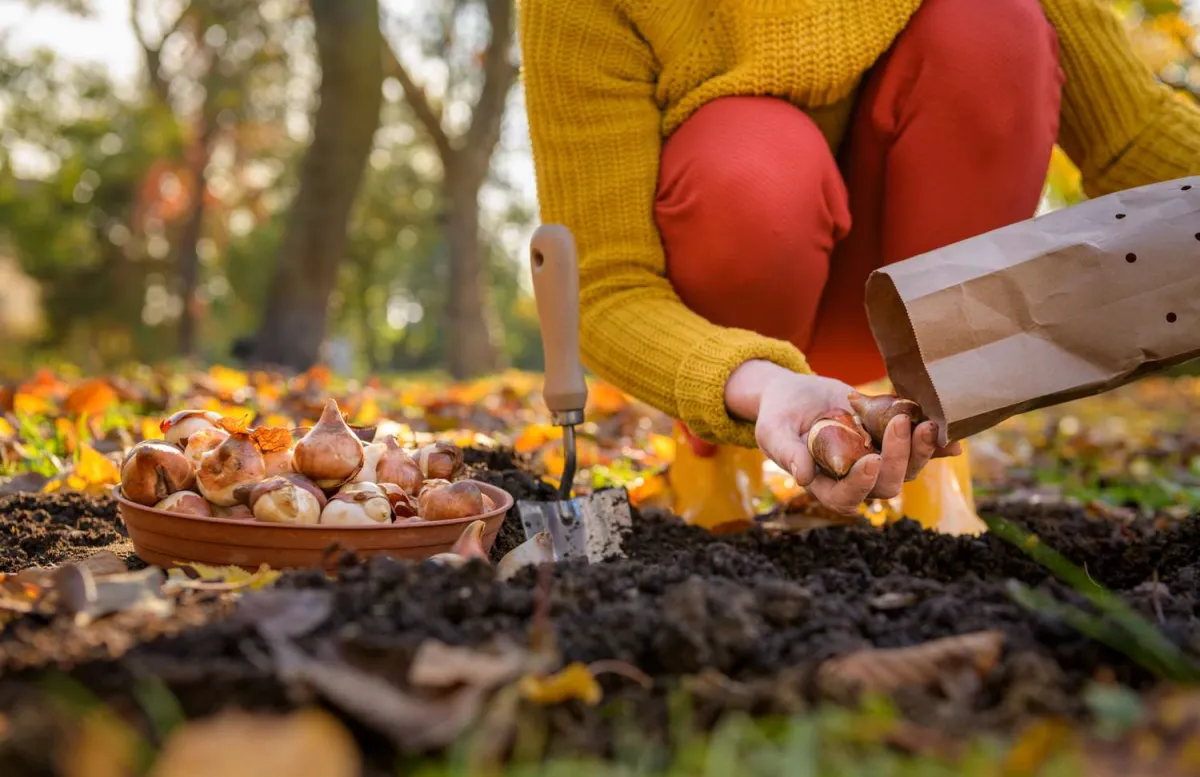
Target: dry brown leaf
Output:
{"points": [[307, 743], [104, 562], [438, 665], [270, 439], [238, 425], [886, 670], [87, 596]]}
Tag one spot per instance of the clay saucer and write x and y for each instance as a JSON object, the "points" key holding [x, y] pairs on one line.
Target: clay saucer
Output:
{"points": [[169, 539]]}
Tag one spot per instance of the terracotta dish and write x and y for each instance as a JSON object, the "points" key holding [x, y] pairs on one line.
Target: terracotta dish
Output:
{"points": [[167, 539]]}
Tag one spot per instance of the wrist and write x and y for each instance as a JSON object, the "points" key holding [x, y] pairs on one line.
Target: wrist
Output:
{"points": [[744, 389]]}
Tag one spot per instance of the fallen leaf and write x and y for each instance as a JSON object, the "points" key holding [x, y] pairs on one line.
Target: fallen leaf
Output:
{"points": [[101, 746], [88, 597], [98, 472], [31, 405], [306, 743], [229, 575], [91, 397], [24, 483], [104, 562], [235, 424], [573, 682], [271, 439], [438, 665], [885, 670], [285, 612], [6, 429]]}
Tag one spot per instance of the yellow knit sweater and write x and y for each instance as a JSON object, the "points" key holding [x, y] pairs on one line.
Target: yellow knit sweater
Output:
{"points": [[607, 80]]}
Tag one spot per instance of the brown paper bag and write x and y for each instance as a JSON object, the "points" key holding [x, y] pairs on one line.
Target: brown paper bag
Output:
{"points": [[1066, 305]]}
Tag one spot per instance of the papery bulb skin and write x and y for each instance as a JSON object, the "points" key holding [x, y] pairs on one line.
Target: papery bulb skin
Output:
{"points": [[330, 454], [352, 486], [202, 442], [836, 447], [153, 470], [371, 454], [396, 466], [280, 500], [178, 427], [456, 500], [357, 508], [278, 463], [876, 412], [404, 504], [441, 461], [235, 462], [470, 543], [186, 503], [234, 512]]}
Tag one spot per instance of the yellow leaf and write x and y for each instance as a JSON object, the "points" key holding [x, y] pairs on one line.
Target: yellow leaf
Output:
{"points": [[151, 430], [95, 469], [68, 432], [368, 413], [275, 419], [573, 682], [6, 429], [31, 404], [260, 578], [228, 381], [661, 448], [102, 746], [307, 743], [606, 399]]}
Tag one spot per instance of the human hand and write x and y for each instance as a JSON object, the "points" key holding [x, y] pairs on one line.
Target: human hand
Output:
{"points": [[784, 404]]}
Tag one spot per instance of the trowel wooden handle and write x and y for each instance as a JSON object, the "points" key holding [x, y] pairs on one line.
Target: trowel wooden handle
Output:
{"points": [[555, 268]]}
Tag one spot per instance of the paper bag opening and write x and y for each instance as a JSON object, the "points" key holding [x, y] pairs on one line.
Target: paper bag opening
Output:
{"points": [[1066, 305]]}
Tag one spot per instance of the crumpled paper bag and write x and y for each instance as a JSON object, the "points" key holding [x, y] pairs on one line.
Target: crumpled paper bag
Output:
{"points": [[1069, 304]]}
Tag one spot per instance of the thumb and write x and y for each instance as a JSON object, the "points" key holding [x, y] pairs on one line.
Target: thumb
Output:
{"points": [[789, 451]]}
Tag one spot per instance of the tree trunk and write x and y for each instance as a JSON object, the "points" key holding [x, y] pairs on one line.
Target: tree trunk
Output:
{"points": [[349, 48], [189, 255], [470, 351]]}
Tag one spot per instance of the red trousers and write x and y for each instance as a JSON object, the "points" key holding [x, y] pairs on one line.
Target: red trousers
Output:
{"points": [[951, 137]]}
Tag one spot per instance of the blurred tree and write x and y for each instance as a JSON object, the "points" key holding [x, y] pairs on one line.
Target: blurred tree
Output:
{"points": [[349, 49], [486, 68]]}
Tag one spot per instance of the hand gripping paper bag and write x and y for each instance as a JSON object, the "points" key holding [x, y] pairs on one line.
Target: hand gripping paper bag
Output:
{"points": [[1065, 305]]}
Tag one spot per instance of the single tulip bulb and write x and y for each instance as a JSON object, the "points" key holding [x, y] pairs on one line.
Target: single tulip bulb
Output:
{"points": [[396, 466], [278, 462], [876, 412], [330, 454], [284, 500], [441, 460], [235, 462], [456, 500], [153, 470], [404, 504], [203, 441], [357, 508], [470, 543], [186, 503], [835, 447], [534, 551], [178, 427]]}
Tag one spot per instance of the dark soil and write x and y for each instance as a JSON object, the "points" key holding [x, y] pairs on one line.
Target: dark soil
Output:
{"points": [[738, 620]]}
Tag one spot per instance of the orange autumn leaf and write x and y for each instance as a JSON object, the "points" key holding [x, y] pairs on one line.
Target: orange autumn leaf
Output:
{"points": [[535, 436], [661, 448], [235, 424], [95, 468], [92, 397], [68, 432], [227, 381], [606, 399], [272, 439], [44, 384]]}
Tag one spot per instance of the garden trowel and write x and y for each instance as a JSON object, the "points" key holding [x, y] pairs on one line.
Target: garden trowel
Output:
{"points": [[589, 526]]}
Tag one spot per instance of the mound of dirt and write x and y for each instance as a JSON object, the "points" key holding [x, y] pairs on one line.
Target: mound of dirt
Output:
{"points": [[740, 620]]}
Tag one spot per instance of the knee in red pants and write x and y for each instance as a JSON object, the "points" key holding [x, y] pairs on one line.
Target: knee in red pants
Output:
{"points": [[750, 204]]}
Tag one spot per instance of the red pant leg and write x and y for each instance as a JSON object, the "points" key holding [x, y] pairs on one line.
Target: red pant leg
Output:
{"points": [[951, 138], [750, 204]]}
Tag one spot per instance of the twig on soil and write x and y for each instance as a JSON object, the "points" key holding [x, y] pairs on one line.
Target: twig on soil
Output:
{"points": [[1157, 599], [623, 668], [541, 636]]}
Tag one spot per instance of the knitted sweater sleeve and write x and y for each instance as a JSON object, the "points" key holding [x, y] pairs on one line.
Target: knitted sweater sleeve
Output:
{"points": [[1120, 125], [595, 131]]}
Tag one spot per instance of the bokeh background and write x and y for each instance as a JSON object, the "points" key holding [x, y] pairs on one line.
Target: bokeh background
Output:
{"points": [[337, 181]]}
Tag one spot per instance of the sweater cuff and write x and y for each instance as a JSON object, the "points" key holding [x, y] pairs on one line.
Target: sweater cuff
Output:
{"points": [[700, 383], [1166, 149]]}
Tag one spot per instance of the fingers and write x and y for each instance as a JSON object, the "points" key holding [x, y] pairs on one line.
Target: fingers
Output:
{"points": [[897, 446], [924, 446], [790, 451], [845, 495]]}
